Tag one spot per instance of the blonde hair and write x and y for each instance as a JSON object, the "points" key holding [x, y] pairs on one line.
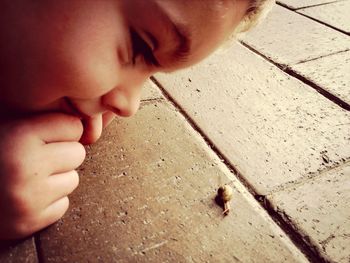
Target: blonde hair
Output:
{"points": [[257, 11]]}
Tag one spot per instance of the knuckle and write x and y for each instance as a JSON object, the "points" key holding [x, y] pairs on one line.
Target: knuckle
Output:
{"points": [[74, 181], [16, 154], [20, 131], [16, 137], [23, 227], [64, 205], [14, 169], [20, 204], [71, 183], [78, 154], [81, 152], [24, 219], [76, 125], [18, 167]]}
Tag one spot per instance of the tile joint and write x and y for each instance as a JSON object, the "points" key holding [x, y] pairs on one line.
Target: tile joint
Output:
{"points": [[295, 10], [38, 248], [152, 100], [285, 226], [285, 68], [312, 176], [323, 56], [305, 7]]}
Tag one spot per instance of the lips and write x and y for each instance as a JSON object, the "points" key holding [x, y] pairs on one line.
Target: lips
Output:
{"points": [[70, 108]]}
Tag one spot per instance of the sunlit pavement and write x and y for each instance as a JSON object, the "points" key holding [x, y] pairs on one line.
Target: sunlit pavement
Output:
{"points": [[268, 116]]}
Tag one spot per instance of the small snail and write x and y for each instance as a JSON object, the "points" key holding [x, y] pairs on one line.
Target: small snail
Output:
{"points": [[225, 194]]}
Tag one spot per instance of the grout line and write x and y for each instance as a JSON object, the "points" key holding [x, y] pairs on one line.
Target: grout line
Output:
{"points": [[314, 19], [301, 238], [322, 56], [303, 79], [38, 248], [295, 236], [310, 177], [319, 89], [206, 138], [324, 23], [304, 7], [152, 100], [144, 103]]}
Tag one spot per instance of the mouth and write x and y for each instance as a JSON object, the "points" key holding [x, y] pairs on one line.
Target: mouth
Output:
{"points": [[70, 108]]}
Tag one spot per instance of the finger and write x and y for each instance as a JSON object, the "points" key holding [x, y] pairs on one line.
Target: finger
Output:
{"points": [[53, 213], [61, 185], [92, 129], [47, 217], [62, 157], [56, 127], [107, 118]]}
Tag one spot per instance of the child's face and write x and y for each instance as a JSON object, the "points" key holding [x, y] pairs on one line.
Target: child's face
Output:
{"points": [[90, 56]]}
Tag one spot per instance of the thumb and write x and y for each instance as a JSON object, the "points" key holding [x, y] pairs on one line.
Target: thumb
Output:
{"points": [[92, 129]]}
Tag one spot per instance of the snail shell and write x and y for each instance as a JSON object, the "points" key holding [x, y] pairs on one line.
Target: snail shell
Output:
{"points": [[225, 193]]}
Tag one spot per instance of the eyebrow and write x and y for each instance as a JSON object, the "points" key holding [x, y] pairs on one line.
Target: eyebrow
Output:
{"points": [[182, 33], [184, 45]]}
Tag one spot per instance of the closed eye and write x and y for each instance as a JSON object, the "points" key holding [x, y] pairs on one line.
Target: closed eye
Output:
{"points": [[141, 48]]}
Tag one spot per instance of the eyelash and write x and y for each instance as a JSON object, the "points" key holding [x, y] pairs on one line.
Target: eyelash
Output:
{"points": [[140, 47]]}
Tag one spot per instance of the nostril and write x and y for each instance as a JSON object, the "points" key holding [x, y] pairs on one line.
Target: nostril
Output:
{"points": [[121, 104], [120, 112]]}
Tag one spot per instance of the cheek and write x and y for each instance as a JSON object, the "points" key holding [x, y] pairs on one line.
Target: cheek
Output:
{"points": [[66, 48], [89, 68], [85, 51], [88, 72]]}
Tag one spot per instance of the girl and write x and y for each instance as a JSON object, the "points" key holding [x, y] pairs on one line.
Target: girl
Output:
{"points": [[67, 67]]}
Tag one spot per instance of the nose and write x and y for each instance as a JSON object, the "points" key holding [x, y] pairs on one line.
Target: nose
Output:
{"points": [[122, 103]]}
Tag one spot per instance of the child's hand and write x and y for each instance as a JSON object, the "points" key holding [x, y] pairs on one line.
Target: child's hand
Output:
{"points": [[37, 161]]}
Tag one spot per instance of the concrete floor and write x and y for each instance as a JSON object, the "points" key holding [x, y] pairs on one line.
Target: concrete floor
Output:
{"points": [[268, 116]]}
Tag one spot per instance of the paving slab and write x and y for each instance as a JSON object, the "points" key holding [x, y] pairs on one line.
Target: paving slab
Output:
{"points": [[320, 209], [147, 195], [331, 73], [295, 4], [288, 38], [334, 14], [22, 251], [150, 91], [271, 127]]}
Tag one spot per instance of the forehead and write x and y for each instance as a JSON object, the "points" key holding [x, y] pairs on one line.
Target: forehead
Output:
{"points": [[199, 16], [202, 23]]}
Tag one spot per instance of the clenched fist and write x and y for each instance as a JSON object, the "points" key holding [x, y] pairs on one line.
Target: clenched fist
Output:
{"points": [[38, 158]]}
